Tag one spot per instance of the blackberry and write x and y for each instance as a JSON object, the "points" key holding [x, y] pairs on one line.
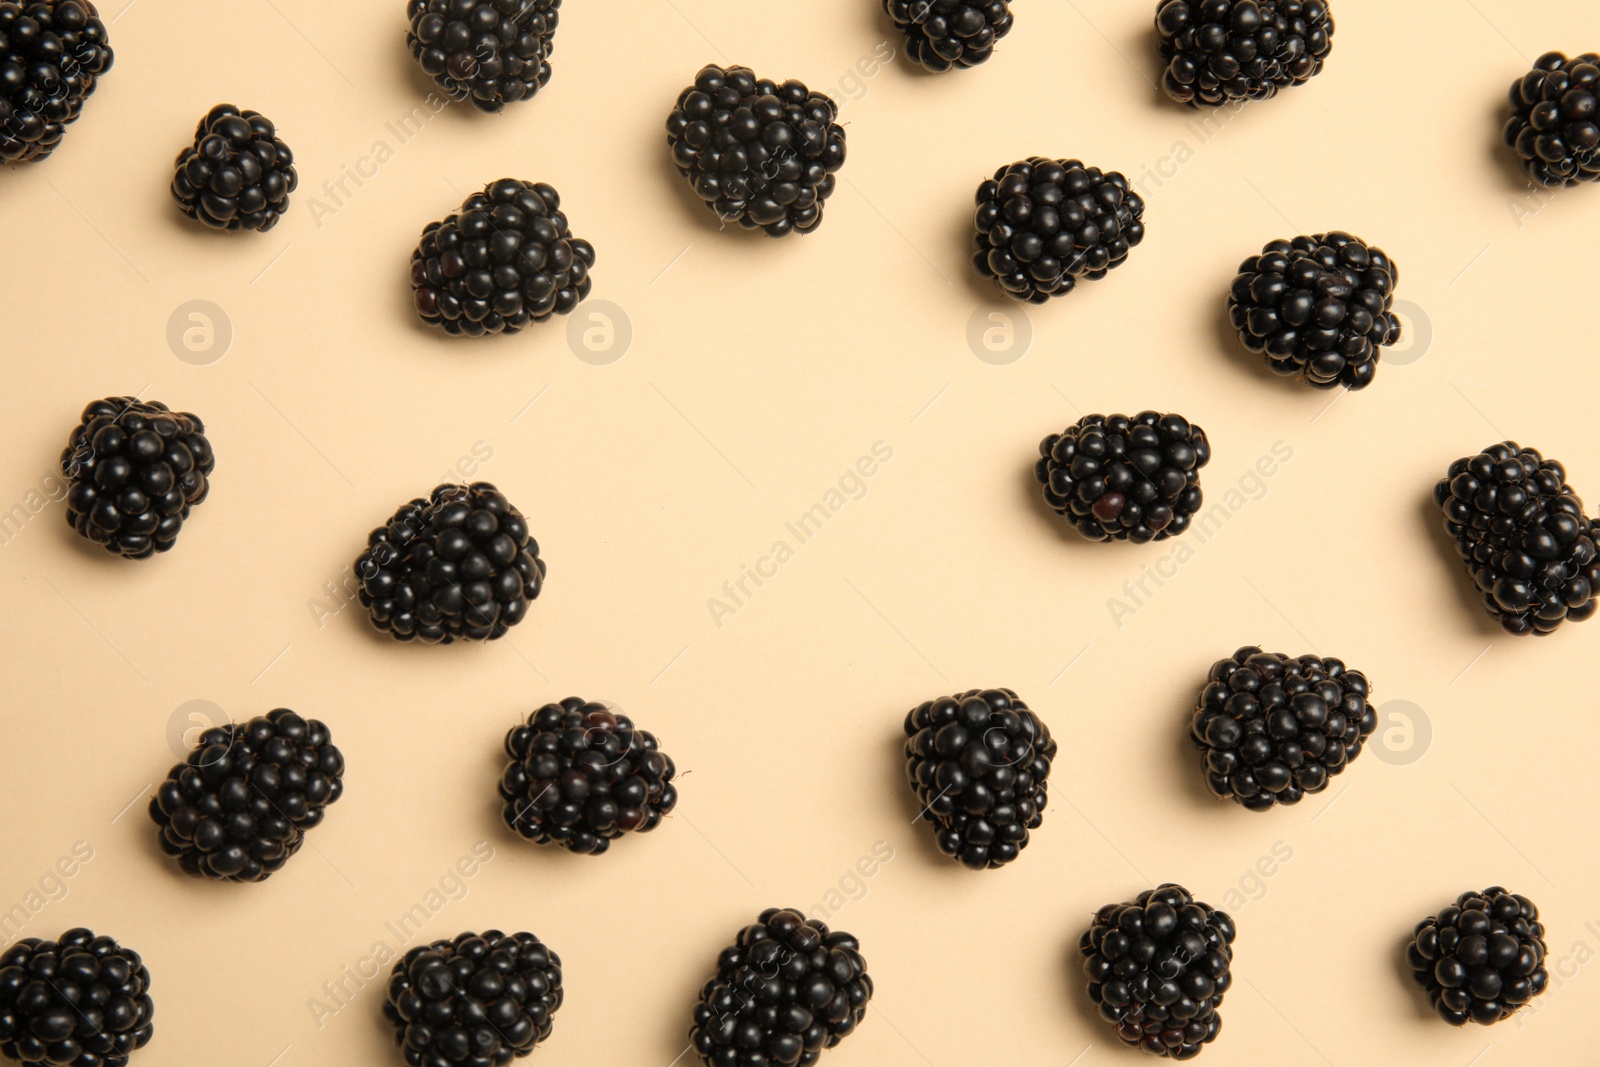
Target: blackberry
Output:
{"points": [[480, 1000], [1125, 479], [1482, 958], [238, 174], [979, 764], [506, 259], [942, 34], [581, 776], [134, 469], [1318, 308], [491, 52], [1043, 225], [758, 153], [80, 1000], [52, 53], [1222, 51], [459, 565], [1555, 119], [784, 991], [1272, 729], [239, 806], [1522, 533], [1158, 967]]}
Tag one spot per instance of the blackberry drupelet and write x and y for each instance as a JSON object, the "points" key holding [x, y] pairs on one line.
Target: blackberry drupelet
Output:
{"points": [[979, 764], [52, 54], [481, 1000], [758, 153], [238, 174], [1523, 535], [1227, 51], [79, 1000], [459, 565], [134, 469], [944, 34], [1482, 958], [1272, 729], [787, 989], [239, 806], [1555, 119], [1158, 968], [506, 259], [1125, 479], [491, 52], [1045, 224]]}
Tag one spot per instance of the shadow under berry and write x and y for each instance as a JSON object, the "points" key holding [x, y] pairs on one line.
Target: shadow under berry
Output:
{"points": [[1504, 158], [1463, 589], [922, 826], [1187, 758], [1420, 1008]]}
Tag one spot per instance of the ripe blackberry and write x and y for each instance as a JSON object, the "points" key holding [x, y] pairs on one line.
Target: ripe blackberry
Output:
{"points": [[1158, 968], [80, 999], [481, 1000], [1555, 119], [238, 174], [784, 991], [1125, 479], [1522, 533], [459, 565], [758, 153], [134, 470], [239, 806], [504, 260], [979, 764], [941, 34], [491, 52], [1219, 51], [52, 53], [1482, 958]]}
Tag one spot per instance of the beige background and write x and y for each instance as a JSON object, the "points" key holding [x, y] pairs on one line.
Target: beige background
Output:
{"points": [[758, 374]]}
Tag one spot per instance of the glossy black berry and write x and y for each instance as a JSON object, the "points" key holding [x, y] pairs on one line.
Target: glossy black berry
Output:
{"points": [[238, 174], [1482, 958], [1521, 531], [77, 1001], [134, 469], [1045, 224], [1158, 967], [787, 989], [979, 765], [1555, 119], [942, 34], [759, 153], [1223, 51], [491, 52], [1118, 478], [459, 565], [480, 1000], [52, 53]]}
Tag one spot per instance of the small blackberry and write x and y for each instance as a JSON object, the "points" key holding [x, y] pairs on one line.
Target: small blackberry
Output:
{"points": [[134, 469], [1125, 479], [238, 174], [942, 34], [52, 53], [979, 764], [459, 565], [758, 153], [1221, 51], [1482, 958], [481, 1000], [491, 52], [1158, 968], [1522, 533], [506, 259], [1555, 119], [787, 989], [80, 1000]]}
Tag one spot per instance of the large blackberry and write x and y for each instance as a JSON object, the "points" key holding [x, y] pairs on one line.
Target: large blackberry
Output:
{"points": [[1555, 119], [979, 764], [1125, 479], [491, 52], [1482, 958], [1319, 308], [758, 153], [481, 1000], [80, 1000], [52, 53], [1523, 535], [1158, 967], [239, 806], [784, 991], [134, 470], [459, 565], [238, 174], [941, 34], [1219, 51], [506, 259]]}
